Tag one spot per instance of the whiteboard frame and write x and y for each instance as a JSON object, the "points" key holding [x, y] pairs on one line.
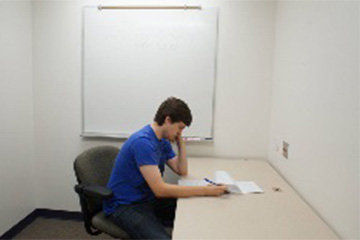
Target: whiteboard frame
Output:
{"points": [[85, 134]]}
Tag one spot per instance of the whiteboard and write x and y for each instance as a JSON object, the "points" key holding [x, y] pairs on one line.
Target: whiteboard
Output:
{"points": [[134, 59]]}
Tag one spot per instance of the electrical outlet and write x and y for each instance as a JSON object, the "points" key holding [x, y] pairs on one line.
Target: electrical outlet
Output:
{"points": [[285, 149]]}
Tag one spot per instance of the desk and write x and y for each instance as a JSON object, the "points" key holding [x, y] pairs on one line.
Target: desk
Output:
{"points": [[270, 215]]}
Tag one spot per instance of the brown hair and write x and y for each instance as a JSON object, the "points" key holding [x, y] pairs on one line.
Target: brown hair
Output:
{"points": [[176, 109]]}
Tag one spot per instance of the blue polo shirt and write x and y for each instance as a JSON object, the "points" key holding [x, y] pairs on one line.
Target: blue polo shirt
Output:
{"points": [[126, 180]]}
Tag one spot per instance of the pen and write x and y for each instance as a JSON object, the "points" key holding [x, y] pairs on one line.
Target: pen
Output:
{"points": [[211, 182]]}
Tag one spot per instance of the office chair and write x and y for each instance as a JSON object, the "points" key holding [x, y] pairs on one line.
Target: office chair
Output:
{"points": [[92, 169]]}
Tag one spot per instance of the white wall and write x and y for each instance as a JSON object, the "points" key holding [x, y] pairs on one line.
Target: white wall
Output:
{"points": [[242, 90], [243, 87], [16, 118], [315, 106]]}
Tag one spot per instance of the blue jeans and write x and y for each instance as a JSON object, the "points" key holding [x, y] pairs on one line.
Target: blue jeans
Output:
{"points": [[146, 220]]}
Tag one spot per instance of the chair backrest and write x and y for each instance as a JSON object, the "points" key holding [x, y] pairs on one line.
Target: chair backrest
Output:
{"points": [[93, 167]]}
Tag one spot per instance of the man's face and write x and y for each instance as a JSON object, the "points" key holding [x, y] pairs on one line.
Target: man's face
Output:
{"points": [[173, 130]]}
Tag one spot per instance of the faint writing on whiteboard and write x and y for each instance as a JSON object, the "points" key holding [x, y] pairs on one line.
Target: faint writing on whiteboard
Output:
{"points": [[169, 38]]}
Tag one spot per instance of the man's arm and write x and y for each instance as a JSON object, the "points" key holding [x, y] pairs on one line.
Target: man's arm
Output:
{"points": [[179, 163], [161, 189]]}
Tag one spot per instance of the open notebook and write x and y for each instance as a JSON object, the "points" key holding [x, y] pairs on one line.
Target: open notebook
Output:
{"points": [[223, 177]]}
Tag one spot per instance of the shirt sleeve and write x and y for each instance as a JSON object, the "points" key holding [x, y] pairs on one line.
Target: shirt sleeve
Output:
{"points": [[169, 152], [144, 152]]}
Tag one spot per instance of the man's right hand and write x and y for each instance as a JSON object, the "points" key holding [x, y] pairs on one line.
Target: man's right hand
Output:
{"points": [[213, 190]]}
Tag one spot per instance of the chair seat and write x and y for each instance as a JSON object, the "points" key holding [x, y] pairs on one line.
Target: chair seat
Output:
{"points": [[104, 224]]}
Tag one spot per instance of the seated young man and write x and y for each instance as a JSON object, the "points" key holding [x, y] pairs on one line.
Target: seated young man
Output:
{"points": [[143, 204]]}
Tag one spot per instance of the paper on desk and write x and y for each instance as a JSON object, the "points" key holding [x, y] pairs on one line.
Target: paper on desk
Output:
{"points": [[223, 177], [248, 187], [238, 186], [187, 182]]}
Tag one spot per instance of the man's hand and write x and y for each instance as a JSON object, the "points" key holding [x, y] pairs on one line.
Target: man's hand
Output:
{"points": [[217, 190], [179, 140], [179, 163]]}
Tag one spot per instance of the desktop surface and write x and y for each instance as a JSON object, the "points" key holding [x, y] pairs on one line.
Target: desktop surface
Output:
{"points": [[278, 213]]}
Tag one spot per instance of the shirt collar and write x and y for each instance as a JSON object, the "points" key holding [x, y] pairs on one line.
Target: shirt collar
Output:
{"points": [[152, 133]]}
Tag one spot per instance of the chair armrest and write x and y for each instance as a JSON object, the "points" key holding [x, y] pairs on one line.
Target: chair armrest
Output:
{"points": [[93, 191]]}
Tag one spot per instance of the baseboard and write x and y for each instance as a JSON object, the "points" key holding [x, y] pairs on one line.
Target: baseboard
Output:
{"points": [[59, 214], [40, 212]]}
